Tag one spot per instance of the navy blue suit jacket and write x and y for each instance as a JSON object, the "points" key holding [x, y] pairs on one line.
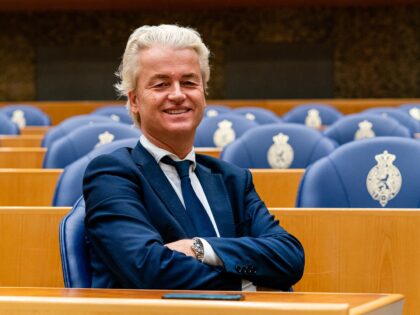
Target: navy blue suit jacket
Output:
{"points": [[132, 211]]}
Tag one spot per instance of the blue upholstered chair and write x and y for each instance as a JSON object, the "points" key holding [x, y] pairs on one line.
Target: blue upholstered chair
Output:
{"points": [[26, 115], [75, 262], [257, 114], [221, 130], [374, 173], [214, 110], [313, 115], [399, 115], [117, 113], [364, 125], [7, 127], [69, 125], [278, 146], [81, 141], [69, 185]]}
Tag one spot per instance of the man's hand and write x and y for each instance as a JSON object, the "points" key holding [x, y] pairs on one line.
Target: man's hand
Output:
{"points": [[182, 246]]}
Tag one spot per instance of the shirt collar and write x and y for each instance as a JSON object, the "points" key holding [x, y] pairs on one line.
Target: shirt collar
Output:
{"points": [[159, 153]]}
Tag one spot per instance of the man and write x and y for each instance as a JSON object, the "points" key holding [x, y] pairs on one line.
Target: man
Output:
{"points": [[151, 226]]}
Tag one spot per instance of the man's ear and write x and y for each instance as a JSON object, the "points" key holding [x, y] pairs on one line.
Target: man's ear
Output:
{"points": [[134, 102]]}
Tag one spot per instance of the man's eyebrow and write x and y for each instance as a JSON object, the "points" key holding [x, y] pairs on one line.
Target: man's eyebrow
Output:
{"points": [[190, 76], [159, 76]]}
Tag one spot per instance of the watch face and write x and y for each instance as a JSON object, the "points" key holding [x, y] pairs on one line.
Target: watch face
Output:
{"points": [[198, 249]]}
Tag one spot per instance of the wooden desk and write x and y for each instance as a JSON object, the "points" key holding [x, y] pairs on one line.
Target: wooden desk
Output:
{"points": [[34, 130], [214, 152], [21, 141], [28, 187], [22, 157], [358, 250], [277, 188], [29, 247], [346, 250], [89, 301]]}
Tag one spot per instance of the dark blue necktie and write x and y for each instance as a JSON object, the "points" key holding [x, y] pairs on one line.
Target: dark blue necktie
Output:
{"points": [[194, 207]]}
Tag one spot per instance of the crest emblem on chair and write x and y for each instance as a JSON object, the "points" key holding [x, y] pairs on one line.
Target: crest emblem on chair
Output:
{"points": [[250, 116], [212, 113], [384, 179], [104, 138], [313, 120], [280, 154], [415, 113], [224, 134], [365, 131], [115, 117], [18, 117]]}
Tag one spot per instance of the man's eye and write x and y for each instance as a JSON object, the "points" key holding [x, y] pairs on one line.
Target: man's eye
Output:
{"points": [[189, 83], [160, 85]]}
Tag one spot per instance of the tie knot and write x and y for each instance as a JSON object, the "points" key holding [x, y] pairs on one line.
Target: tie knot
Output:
{"points": [[182, 167]]}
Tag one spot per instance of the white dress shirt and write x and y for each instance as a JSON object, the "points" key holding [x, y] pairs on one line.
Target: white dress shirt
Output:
{"points": [[210, 257]]}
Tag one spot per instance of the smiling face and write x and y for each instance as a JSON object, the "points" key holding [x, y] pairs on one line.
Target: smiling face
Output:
{"points": [[169, 97]]}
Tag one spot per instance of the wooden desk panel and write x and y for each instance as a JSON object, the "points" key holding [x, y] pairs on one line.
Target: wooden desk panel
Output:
{"points": [[28, 187], [21, 141], [346, 250], [89, 301], [358, 250], [277, 188], [22, 157], [34, 130], [214, 152], [29, 247]]}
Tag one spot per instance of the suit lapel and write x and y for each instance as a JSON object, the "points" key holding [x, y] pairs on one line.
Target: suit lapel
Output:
{"points": [[162, 187], [217, 196]]}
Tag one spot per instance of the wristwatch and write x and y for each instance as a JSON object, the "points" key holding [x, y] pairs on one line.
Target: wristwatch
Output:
{"points": [[198, 249]]}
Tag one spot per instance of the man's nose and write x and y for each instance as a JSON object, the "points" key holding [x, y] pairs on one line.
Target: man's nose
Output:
{"points": [[176, 94]]}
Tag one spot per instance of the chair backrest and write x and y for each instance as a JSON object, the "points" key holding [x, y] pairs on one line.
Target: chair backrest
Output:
{"points": [[221, 130], [69, 125], [374, 173], [26, 115], [278, 146], [81, 141], [399, 115], [413, 109], [313, 115], [215, 110], [7, 127], [117, 113], [364, 125], [258, 114], [75, 262], [69, 185]]}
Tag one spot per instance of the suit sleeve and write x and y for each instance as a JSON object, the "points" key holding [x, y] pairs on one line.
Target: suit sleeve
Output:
{"points": [[123, 238], [263, 252]]}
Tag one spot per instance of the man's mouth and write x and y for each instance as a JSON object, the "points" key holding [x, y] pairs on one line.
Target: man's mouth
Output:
{"points": [[177, 111]]}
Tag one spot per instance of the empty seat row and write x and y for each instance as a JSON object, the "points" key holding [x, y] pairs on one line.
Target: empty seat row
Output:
{"points": [[15, 117]]}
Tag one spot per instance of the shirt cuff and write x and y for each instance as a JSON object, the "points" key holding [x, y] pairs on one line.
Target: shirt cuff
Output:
{"points": [[210, 257]]}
